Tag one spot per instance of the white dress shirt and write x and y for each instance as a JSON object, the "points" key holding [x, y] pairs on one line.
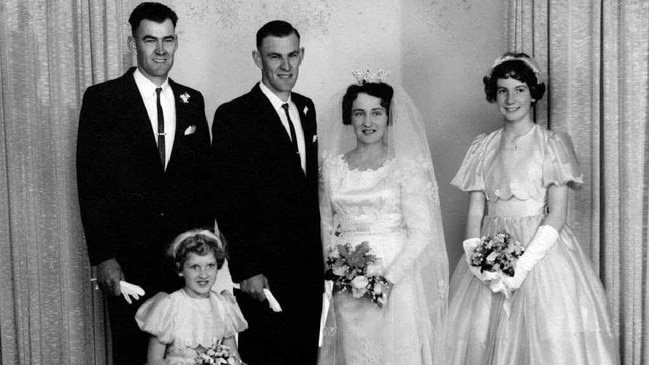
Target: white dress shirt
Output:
{"points": [[295, 118], [147, 90]]}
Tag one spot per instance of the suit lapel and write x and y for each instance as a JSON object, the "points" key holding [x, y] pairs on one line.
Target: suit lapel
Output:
{"points": [[271, 123], [139, 123], [269, 119], [307, 130], [181, 121]]}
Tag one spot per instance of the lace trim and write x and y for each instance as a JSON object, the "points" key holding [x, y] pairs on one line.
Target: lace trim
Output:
{"points": [[412, 168]]}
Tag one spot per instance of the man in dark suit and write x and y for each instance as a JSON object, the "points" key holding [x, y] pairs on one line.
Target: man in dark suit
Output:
{"points": [[265, 158], [142, 160]]}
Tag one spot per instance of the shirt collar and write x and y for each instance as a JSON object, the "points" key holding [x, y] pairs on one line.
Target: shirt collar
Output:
{"points": [[274, 99], [146, 86]]}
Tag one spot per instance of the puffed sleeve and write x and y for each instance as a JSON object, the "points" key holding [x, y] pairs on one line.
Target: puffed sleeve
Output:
{"points": [[155, 316], [470, 177], [560, 165], [234, 320]]}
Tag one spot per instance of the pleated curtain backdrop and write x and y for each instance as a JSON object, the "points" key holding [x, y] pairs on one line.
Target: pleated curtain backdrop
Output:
{"points": [[597, 57], [50, 51]]}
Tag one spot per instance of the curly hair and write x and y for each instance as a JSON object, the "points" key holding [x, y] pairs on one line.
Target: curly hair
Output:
{"points": [[515, 69], [379, 90], [197, 241]]}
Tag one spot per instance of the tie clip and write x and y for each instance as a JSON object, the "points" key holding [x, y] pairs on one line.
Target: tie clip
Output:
{"points": [[162, 134]]}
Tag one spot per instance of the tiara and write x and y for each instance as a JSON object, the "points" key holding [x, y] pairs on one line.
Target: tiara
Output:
{"points": [[530, 62], [367, 77]]}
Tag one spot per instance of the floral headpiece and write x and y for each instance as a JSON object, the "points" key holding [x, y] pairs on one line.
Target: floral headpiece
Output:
{"points": [[530, 62], [367, 77]]}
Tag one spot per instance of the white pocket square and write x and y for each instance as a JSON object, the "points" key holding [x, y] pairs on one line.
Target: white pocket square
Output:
{"points": [[190, 130], [305, 110], [315, 138]]}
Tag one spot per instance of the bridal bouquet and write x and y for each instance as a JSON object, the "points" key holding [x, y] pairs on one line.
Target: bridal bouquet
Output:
{"points": [[218, 354], [355, 270], [497, 254]]}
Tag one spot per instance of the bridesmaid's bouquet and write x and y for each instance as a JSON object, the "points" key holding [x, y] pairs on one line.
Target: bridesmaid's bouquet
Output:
{"points": [[217, 354], [355, 270], [497, 254]]}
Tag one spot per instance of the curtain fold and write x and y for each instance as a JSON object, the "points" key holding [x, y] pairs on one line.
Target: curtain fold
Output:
{"points": [[50, 51], [597, 57]]}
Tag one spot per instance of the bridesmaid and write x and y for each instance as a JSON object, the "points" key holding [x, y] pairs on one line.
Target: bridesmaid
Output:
{"points": [[557, 311]]}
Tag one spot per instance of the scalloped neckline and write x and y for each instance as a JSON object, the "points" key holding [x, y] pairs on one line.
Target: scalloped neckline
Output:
{"points": [[355, 170]]}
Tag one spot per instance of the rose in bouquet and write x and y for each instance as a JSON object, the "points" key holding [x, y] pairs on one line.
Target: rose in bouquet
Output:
{"points": [[218, 354], [357, 271], [496, 254]]}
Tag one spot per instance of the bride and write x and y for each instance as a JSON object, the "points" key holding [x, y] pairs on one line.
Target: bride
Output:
{"points": [[378, 185]]}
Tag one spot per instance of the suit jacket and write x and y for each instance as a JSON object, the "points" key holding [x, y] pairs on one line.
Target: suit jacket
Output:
{"points": [[131, 208], [267, 207]]}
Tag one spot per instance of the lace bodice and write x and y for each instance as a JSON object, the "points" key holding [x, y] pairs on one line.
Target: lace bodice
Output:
{"points": [[388, 206]]}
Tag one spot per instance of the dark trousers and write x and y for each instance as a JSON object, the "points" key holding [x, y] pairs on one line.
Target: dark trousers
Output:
{"points": [[287, 337], [129, 343]]}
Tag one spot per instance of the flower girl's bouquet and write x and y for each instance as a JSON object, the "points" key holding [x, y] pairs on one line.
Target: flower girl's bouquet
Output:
{"points": [[496, 254], [355, 270], [218, 354]]}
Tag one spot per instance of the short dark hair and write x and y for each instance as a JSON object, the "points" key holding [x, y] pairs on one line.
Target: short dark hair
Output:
{"points": [[276, 28], [155, 12], [197, 241], [379, 90], [514, 69]]}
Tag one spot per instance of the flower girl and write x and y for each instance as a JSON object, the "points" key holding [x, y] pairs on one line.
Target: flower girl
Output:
{"points": [[193, 325]]}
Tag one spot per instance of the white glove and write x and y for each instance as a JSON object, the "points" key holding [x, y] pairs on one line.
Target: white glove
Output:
{"points": [[272, 302], [129, 290], [469, 245], [543, 242]]}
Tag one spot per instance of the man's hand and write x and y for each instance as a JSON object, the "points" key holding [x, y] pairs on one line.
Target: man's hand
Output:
{"points": [[254, 286], [109, 273]]}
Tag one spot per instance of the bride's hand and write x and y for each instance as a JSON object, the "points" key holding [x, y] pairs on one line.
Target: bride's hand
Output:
{"points": [[254, 286]]}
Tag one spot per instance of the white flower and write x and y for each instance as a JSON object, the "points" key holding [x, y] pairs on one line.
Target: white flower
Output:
{"points": [[360, 282], [378, 288], [184, 97], [492, 257]]}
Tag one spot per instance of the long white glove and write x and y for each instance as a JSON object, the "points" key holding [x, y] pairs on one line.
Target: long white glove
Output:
{"points": [[469, 245], [543, 242]]}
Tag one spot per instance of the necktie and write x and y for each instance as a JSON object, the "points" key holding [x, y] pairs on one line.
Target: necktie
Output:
{"points": [[292, 128], [161, 128]]}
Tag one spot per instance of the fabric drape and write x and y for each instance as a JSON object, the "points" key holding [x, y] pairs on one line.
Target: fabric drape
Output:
{"points": [[49, 53], [596, 54]]}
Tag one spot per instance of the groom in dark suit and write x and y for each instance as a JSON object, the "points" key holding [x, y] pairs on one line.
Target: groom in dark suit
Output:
{"points": [[142, 169], [266, 170]]}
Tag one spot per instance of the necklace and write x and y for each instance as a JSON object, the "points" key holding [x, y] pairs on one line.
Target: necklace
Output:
{"points": [[513, 138]]}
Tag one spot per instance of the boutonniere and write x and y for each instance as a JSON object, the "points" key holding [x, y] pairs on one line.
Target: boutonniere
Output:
{"points": [[305, 110], [184, 97], [190, 130]]}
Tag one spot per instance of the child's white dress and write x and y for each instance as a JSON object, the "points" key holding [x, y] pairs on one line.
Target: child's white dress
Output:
{"points": [[189, 324]]}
